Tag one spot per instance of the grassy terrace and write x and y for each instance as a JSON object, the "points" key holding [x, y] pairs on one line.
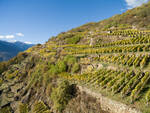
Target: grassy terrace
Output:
{"points": [[115, 49]]}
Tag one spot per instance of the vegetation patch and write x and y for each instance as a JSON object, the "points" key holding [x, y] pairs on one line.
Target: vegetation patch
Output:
{"points": [[6, 109], [40, 107], [23, 108], [73, 40], [62, 94]]}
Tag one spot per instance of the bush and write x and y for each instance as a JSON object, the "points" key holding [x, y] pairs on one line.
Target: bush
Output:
{"points": [[75, 68], [47, 78], [62, 67], [70, 61], [144, 61], [1, 81], [23, 108], [130, 61], [136, 62], [6, 109], [57, 68], [73, 40], [147, 97], [62, 94], [40, 107], [49, 89], [53, 69], [3, 67]]}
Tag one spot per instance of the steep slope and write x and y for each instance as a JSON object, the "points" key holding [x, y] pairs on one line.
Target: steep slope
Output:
{"points": [[109, 58], [9, 50]]}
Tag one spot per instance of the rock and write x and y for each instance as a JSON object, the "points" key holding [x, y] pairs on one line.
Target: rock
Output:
{"points": [[10, 95], [4, 100], [17, 87], [4, 86]]}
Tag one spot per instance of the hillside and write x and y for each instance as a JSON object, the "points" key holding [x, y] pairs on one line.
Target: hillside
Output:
{"points": [[78, 70], [9, 50]]}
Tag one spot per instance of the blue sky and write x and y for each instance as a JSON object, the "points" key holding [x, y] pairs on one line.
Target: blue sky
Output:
{"points": [[36, 21]]}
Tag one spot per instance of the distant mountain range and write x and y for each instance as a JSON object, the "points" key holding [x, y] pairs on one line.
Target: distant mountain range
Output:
{"points": [[11, 49]]}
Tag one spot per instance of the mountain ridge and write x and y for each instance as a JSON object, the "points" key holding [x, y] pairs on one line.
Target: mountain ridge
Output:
{"points": [[11, 49]]}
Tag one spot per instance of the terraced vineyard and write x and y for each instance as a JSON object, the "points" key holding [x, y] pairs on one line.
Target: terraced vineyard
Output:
{"points": [[131, 57], [110, 58], [119, 69]]}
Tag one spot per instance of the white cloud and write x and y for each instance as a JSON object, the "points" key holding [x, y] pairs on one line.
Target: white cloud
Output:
{"points": [[9, 36], [1, 36], [134, 3], [28, 42], [20, 34]]}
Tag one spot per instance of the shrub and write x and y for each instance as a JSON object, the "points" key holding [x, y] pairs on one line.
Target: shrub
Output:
{"points": [[134, 92], [57, 68], [139, 87], [62, 67], [40, 107], [62, 94], [75, 68], [73, 40], [6, 109], [130, 61], [136, 62], [147, 97], [23, 108], [53, 69], [70, 61], [144, 61], [49, 89], [1, 81], [3, 67], [47, 78]]}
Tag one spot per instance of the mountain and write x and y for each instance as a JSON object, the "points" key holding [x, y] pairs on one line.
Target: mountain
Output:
{"points": [[22, 45], [9, 50], [99, 67]]}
